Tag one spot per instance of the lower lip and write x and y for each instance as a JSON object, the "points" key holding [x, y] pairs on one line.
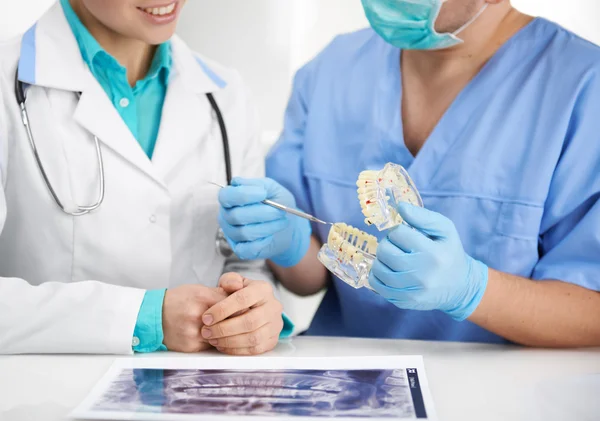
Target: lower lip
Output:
{"points": [[162, 19]]}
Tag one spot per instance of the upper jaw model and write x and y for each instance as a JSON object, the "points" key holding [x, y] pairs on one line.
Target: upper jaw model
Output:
{"points": [[380, 192]]}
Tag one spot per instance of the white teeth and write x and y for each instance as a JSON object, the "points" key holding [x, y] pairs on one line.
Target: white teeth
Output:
{"points": [[160, 11], [367, 196], [349, 243]]}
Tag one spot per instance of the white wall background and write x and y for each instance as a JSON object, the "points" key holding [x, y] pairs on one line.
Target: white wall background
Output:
{"points": [[267, 40]]}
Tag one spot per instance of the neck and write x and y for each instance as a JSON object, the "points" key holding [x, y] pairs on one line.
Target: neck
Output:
{"points": [[481, 41], [134, 55]]}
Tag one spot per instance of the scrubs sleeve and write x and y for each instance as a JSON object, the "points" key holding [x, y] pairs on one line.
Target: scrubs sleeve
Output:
{"points": [[570, 229], [285, 161]]}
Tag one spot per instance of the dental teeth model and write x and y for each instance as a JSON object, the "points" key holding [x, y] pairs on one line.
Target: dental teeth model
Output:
{"points": [[380, 192], [349, 252]]}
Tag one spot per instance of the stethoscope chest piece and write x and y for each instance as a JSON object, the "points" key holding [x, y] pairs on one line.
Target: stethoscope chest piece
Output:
{"points": [[223, 247]]}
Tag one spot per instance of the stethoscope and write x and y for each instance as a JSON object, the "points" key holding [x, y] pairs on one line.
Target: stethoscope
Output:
{"points": [[222, 245]]}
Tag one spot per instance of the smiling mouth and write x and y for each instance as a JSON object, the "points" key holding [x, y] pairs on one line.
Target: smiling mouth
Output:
{"points": [[159, 11]]}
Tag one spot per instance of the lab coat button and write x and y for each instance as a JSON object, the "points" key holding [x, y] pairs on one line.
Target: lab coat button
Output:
{"points": [[152, 218], [135, 341], [124, 102]]}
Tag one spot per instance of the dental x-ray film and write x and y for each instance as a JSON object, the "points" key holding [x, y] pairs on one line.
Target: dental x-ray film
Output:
{"points": [[261, 388]]}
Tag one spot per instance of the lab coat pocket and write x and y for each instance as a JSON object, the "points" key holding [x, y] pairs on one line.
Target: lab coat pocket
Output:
{"points": [[207, 263], [515, 241]]}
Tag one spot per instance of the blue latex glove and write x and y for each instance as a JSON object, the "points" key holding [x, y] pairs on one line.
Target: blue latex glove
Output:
{"points": [[426, 268], [258, 231]]}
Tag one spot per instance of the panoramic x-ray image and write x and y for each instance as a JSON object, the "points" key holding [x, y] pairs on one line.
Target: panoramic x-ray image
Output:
{"points": [[306, 393]]}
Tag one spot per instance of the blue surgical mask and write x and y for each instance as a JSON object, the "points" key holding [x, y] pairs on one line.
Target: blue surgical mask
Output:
{"points": [[410, 24]]}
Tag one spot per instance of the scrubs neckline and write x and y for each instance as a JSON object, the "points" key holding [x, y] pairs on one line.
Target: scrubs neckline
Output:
{"points": [[388, 112]]}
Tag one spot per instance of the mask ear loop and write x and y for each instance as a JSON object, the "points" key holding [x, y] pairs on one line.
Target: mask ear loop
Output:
{"points": [[462, 28], [470, 21]]}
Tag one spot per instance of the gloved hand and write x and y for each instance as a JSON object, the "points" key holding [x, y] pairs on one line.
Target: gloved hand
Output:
{"points": [[258, 231], [426, 268]]}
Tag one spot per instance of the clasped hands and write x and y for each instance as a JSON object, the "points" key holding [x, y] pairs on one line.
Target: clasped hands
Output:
{"points": [[239, 317]]}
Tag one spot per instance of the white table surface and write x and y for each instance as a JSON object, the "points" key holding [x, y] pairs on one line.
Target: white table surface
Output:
{"points": [[468, 381]]}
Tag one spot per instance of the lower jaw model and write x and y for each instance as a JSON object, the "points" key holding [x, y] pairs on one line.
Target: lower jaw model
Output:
{"points": [[349, 252]]}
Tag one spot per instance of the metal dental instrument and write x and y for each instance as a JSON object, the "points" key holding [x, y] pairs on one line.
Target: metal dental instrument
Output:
{"points": [[286, 209]]}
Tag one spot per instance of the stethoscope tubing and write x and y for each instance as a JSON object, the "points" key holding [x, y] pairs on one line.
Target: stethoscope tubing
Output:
{"points": [[222, 245]]}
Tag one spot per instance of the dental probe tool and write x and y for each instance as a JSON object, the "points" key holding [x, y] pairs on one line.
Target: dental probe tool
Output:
{"points": [[285, 208]]}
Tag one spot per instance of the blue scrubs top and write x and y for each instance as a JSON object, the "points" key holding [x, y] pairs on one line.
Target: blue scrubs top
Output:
{"points": [[514, 163]]}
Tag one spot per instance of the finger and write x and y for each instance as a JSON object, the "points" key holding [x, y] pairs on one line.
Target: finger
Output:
{"points": [[395, 280], [251, 214], [252, 250], [431, 223], [273, 188], [389, 293], [252, 295], [397, 259], [254, 232], [231, 282], [256, 350], [266, 183], [243, 181], [245, 340], [231, 196], [409, 240], [211, 296], [248, 322]]}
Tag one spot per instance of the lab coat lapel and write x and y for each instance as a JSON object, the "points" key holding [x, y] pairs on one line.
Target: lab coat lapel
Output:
{"points": [[187, 117], [50, 56], [184, 124], [96, 113]]}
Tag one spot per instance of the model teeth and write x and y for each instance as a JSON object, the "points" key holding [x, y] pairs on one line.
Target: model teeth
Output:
{"points": [[349, 253], [380, 191], [349, 244], [368, 189], [160, 11]]}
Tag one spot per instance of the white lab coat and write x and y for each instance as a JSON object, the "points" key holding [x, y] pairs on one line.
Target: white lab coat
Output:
{"points": [[75, 284]]}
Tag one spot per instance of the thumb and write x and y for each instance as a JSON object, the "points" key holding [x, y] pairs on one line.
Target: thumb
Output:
{"points": [[231, 282], [430, 223]]}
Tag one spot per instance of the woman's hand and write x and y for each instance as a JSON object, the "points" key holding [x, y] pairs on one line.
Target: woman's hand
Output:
{"points": [[183, 308], [248, 322]]}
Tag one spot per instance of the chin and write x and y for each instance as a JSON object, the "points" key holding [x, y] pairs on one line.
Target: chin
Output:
{"points": [[157, 37]]}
